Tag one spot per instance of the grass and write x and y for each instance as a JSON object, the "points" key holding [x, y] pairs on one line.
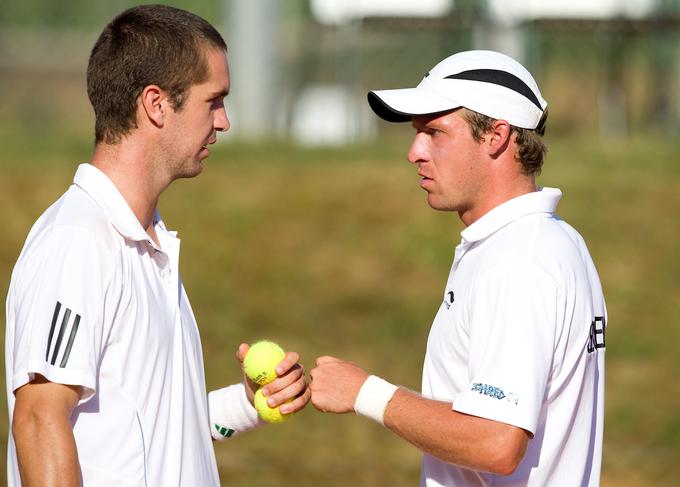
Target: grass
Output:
{"points": [[336, 252]]}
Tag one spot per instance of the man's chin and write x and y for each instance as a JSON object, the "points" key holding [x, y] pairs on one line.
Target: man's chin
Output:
{"points": [[197, 170], [437, 204], [433, 202], [190, 172]]}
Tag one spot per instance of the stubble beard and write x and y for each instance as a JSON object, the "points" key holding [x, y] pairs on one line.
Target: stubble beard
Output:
{"points": [[187, 170], [439, 205]]}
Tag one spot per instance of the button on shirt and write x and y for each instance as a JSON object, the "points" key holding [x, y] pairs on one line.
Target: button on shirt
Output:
{"points": [[95, 302], [519, 339]]}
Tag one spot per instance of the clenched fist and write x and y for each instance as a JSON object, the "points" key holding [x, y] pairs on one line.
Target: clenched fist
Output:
{"points": [[335, 384]]}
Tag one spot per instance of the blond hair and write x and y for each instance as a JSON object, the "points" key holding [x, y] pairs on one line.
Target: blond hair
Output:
{"points": [[531, 149]]}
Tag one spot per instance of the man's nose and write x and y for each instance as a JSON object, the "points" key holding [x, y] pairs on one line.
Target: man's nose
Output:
{"points": [[221, 122], [417, 152]]}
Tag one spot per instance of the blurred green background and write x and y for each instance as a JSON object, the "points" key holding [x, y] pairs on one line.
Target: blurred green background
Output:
{"points": [[333, 249]]}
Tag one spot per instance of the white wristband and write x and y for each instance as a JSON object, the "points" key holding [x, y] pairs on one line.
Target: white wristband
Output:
{"points": [[230, 412], [373, 397]]}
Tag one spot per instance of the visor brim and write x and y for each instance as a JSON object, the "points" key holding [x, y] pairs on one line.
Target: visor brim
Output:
{"points": [[402, 105]]}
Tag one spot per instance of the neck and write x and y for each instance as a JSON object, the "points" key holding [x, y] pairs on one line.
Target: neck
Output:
{"points": [[498, 191], [131, 170]]}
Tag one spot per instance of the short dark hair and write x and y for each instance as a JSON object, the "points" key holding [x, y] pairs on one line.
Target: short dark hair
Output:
{"points": [[145, 45], [531, 149]]}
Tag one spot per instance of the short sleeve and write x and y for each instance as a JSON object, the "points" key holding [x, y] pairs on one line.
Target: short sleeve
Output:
{"points": [[512, 334], [58, 310]]}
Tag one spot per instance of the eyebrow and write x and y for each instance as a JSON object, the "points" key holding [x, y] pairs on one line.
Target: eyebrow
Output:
{"points": [[423, 122], [431, 117], [221, 93]]}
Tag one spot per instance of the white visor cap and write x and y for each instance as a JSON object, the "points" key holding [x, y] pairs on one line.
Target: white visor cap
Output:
{"points": [[486, 82]]}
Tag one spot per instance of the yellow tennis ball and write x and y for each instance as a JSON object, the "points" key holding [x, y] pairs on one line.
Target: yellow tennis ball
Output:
{"points": [[270, 415], [261, 360]]}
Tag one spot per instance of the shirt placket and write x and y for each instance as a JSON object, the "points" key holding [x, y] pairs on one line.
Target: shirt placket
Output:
{"points": [[168, 262], [461, 250]]}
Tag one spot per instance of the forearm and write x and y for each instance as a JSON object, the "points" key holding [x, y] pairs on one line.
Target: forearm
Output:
{"points": [[467, 441], [46, 451], [477, 443]]}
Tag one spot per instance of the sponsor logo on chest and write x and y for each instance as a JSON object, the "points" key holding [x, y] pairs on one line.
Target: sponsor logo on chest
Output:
{"points": [[449, 298]]}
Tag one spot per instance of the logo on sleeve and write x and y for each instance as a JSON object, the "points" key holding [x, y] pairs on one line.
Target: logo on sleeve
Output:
{"points": [[68, 327], [495, 392], [596, 335]]}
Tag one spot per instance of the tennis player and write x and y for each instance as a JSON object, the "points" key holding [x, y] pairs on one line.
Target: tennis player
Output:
{"points": [[105, 380], [513, 380]]}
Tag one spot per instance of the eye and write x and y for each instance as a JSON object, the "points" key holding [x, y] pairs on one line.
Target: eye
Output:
{"points": [[217, 103]]}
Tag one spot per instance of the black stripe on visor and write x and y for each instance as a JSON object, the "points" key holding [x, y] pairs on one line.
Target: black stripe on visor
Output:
{"points": [[498, 77]]}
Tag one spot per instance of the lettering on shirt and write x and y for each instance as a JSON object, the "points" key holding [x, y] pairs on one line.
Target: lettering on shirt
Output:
{"points": [[495, 392], [596, 335]]}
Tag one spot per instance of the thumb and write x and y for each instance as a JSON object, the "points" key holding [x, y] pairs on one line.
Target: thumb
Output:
{"points": [[242, 351]]}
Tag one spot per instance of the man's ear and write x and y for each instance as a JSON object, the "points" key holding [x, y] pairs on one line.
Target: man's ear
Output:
{"points": [[154, 104], [498, 138]]}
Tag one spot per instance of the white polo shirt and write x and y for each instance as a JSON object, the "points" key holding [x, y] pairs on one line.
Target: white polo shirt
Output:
{"points": [[94, 302], [519, 339]]}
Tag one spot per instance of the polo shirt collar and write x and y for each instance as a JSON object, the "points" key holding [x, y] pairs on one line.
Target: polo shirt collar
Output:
{"points": [[102, 190], [544, 200]]}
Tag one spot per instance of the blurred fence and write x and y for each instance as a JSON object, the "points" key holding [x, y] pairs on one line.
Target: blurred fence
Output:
{"points": [[610, 76]]}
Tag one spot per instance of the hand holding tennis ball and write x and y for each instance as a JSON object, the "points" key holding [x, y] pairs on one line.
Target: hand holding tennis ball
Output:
{"points": [[259, 365], [261, 360], [270, 415]]}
